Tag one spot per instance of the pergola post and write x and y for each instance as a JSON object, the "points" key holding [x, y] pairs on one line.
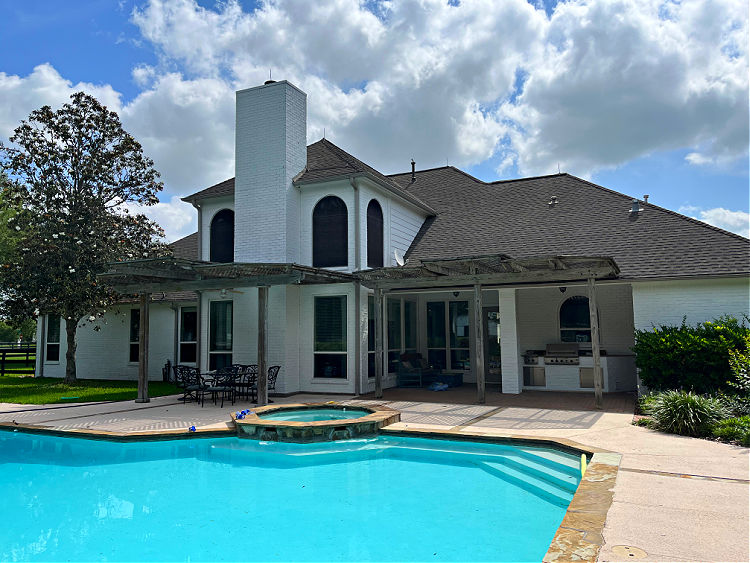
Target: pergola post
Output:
{"points": [[598, 376], [143, 349], [479, 342], [379, 364], [262, 346]]}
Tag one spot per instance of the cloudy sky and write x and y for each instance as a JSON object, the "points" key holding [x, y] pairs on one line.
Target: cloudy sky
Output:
{"points": [[644, 97]]}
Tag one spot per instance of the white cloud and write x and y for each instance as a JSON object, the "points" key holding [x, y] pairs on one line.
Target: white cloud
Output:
{"points": [[734, 221], [177, 218], [606, 82]]}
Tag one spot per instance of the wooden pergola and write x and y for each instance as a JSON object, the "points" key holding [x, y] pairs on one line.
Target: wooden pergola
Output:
{"points": [[482, 272], [157, 275]]}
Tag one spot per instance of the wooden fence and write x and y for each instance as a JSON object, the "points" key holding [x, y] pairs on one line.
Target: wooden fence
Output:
{"points": [[12, 354]]}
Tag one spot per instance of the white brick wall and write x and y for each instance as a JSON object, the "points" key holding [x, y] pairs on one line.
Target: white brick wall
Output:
{"points": [[270, 149], [104, 354], [667, 302]]}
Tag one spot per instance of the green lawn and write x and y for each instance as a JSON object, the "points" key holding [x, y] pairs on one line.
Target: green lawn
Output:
{"points": [[27, 390]]}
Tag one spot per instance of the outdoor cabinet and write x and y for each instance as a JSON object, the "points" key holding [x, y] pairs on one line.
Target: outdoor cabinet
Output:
{"points": [[534, 377]]}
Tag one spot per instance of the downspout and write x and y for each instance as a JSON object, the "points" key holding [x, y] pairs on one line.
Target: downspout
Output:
{"points": [[357, 293]]}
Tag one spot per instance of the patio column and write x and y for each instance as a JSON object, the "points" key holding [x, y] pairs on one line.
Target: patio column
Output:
{"points": [[262, 346], [143, 349], [479, 340], [199, 334], [379, 364], [510, 367], [595, 352]]}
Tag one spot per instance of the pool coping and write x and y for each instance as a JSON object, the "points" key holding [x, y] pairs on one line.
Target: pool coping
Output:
{"points": [[578, 538]]}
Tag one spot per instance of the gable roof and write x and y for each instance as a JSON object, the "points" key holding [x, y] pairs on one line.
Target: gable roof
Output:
{"points": [[514, 218], [186, 247], [325, 162]]}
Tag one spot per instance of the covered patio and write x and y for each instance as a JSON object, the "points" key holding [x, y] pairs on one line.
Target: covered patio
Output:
{"points": [[472, 280]]}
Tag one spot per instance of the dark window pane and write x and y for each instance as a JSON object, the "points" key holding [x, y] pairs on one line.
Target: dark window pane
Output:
{"points": [[330, 365], [188, 324], [575, 335], [436, 359], [459, 324], [53, 353], [135, 325], [436, 324], [134, 352], [410, 325], [370, 365], [188, 353], [394, 324], [220, 326], [330, 324], [370, 323], [574, 313], [393, 358], [460, 359], [222, 236], [218, 361], [53, 329], [330, 233], [374, 235]]}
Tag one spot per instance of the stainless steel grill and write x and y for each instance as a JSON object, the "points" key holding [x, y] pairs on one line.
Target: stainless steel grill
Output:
{"points": [[565, 353]]}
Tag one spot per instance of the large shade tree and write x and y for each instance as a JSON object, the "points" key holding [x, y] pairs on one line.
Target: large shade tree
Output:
{"points": [[73, 174]]}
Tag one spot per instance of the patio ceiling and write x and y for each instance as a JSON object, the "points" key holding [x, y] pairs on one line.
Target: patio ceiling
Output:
{"points": [[177, 274], [496, 269]]}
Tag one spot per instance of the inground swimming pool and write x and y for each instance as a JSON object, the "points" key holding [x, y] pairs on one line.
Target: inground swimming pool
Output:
{"points": [[229, 499]]}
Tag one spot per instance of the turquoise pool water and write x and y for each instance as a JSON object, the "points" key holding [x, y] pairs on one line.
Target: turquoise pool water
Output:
{"points": [[311, 415], [383, 499]]}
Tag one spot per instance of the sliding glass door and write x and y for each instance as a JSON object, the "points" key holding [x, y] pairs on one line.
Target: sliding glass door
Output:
{"points": [[448, 342]]}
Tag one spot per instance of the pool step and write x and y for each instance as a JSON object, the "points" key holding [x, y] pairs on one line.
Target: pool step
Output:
{"points": [[561, 460], [555, 474], [541, 488]]}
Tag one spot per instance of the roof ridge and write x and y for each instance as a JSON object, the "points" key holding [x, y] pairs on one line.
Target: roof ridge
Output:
{"points": [[660, 208]]}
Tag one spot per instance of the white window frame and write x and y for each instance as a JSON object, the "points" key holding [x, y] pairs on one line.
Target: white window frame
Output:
{"points": [[180, 341], [345, 352]]}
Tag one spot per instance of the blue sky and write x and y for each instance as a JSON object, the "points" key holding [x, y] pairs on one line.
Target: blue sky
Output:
{"points": [[488, 92]]}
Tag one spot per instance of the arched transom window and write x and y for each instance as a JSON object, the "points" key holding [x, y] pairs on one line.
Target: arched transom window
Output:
{"points": [[374, 235], [575, 321], [330, 232], [222, 237]]}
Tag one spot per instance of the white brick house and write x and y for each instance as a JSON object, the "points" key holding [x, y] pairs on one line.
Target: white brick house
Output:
{"points": [[317, 206]]}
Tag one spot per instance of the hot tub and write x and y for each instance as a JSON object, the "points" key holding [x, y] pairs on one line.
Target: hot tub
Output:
{"points": [[317, 422]]}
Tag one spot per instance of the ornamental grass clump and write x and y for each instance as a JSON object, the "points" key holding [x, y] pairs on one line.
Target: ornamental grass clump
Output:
{"points": [[686, 413], [734, 430]]}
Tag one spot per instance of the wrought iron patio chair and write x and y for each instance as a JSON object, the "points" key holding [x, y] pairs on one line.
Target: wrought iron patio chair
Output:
{"points": [[188, 379], [246, 384], [222, 383]]}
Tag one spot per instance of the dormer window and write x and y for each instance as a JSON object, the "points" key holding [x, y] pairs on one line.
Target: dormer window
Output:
{"points": [[222, 237], [330, 233], [374, 235]]}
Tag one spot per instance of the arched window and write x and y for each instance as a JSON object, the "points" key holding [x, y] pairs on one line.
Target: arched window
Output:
{"points": [[575, 321], [374, 235], [222, 236], [330, 244]]}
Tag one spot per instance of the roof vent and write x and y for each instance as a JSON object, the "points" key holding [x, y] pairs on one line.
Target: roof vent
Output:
{"points": [[553, 201], [413, 171], [645, 198], [636, 207], [269, 81]]}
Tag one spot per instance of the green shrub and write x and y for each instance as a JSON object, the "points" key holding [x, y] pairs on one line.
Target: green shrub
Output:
{"points": [[734, 430], [737, 398], [645, 402], [695, 358], [685, 413]]}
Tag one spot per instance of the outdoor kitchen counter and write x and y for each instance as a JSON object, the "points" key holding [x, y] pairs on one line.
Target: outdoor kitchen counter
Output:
{"points": [[618, 372]]}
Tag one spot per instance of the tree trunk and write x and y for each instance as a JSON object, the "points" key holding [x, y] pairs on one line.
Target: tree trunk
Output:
{"points": [[70, 354]]}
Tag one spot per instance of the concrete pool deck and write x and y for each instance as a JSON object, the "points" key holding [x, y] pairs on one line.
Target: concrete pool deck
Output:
{"points": [[675, 498]]}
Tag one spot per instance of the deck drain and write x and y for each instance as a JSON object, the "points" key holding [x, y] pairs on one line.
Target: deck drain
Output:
{"points": [[629, 552]]}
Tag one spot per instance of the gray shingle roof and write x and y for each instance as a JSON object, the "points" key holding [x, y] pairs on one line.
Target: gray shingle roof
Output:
{"points": [[325, 161], [514, 218], [186, 247]]}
